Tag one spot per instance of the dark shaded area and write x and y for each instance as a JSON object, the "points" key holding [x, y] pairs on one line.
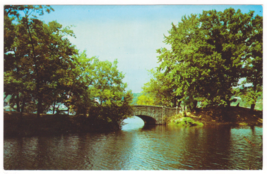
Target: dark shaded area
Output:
{"points": [[233, 115], [148, 120], [29, 125], [148, 127]]}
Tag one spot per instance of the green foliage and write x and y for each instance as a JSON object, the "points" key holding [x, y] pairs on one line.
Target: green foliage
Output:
{"points": [[161, 90], [135, 98], [42, 69], [145, 100], [98, 90], [209, 53], [185, 122], [37, 63], [253, 66]]}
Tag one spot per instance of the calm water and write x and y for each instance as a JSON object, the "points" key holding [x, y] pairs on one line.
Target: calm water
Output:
{"points": [[133, 148]]}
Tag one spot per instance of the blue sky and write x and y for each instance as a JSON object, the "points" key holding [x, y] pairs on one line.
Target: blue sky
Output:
{"points": [[129, 33]]}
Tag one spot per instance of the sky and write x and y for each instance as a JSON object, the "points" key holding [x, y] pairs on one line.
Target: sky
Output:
{"points": [[129, 33]]}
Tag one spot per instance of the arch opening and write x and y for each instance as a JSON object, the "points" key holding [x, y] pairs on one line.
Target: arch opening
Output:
{"points": [[147, 119], [132, 123]]}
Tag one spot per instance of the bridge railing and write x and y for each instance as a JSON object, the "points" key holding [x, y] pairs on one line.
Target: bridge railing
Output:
{"points": [[157, 106], [148, 106], [176, 109]]}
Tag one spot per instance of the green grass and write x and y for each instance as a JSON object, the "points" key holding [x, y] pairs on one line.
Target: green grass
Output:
{"points": [[185, 122]]}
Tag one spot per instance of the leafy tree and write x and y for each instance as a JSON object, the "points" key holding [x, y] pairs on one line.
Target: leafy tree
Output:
{"points": [[98, 91], [161, 90], [145, 100], [40, 55], [42, 68], [107, 85], [80, 98], [228, 34], [208, 54]]}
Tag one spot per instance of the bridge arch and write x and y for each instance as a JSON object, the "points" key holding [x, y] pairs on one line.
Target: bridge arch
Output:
{"points": [[154, 114], [147, 119]]}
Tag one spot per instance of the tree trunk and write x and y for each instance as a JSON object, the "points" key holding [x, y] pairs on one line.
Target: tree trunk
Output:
{"points": [[174, 102], [184, 111], [22, 107], [228, 103], [179, 103], [39, 104], [194, 104], [17, 73], [252, 107], [54, 107], [57, 110], [17, 102]]}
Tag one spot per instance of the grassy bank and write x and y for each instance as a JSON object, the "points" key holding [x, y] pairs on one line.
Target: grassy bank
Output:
{"points": [[52, 125], [179, 120], [218, 115]]}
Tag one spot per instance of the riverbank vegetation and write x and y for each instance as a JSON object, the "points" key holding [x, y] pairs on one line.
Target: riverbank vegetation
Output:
{"points": [[215, 60], [49, 124], [179, 120], [214, 115], [43, 69]]}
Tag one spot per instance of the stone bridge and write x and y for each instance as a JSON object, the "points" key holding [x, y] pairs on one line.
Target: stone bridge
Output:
{"points": [[154, 114]]}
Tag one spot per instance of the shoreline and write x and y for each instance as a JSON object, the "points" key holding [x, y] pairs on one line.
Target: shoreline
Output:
{"points": [[64, 124], [236, 116], [52, 125]]}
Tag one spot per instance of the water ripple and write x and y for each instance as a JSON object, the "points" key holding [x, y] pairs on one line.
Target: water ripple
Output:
{"points": [[154, 148]]}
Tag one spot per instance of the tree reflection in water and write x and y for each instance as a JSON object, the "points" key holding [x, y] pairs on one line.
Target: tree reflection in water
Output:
{"points": [[146, 148]]}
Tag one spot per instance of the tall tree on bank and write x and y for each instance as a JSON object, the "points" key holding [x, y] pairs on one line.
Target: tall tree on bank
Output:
{"points": [[42, 51], [16, 66], [208, 54], [229, 34]]}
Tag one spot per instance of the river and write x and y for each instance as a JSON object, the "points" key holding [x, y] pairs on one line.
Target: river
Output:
{"points": [[140, 148]]}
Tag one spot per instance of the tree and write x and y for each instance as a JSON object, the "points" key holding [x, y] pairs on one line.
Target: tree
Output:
{"points": [[228, 34], [42, 68], [161, 90], [208, 55], [98, 91], [145, 100], [40, 56], [110, 92]]}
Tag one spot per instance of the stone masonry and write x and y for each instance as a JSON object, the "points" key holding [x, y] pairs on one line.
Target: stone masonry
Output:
{"points": [[154, 114]]}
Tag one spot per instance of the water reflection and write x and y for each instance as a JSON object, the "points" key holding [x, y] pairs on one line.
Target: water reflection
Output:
{"points": [[146, 148]]}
